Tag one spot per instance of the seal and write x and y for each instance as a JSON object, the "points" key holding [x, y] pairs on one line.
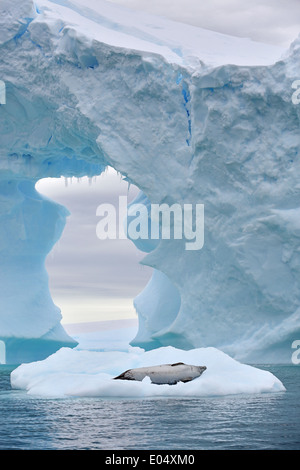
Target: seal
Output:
{"points": [[164, 374]]}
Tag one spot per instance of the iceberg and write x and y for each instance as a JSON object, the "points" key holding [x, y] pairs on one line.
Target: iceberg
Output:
{"points": [[78, 373], [188, 116]]}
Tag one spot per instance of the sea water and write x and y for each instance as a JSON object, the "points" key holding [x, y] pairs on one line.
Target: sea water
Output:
{"points": [[262, 421]]}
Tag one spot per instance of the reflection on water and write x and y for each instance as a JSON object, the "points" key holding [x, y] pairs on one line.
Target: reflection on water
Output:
{"points": [[264, 421]]}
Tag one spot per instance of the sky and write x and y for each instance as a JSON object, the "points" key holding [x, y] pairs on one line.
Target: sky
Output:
{"points": [[270, 21], [93, 280], [90, 279]]}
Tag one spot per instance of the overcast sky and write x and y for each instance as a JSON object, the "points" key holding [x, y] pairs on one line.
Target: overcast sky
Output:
{"points": [[93, 280], [271, 21]]}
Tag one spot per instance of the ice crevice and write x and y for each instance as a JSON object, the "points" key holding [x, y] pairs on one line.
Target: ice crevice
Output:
{"points": [[214, 125]]}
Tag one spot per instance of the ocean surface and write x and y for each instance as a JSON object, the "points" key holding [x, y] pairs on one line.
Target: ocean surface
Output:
{"points": [[264, 421]]}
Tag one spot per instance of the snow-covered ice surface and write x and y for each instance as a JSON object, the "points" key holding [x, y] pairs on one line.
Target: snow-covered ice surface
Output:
{"points": [[83, 372], [177, 42], [188, 116]]}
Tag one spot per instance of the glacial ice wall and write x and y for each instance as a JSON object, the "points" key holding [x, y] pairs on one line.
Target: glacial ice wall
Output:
{"points": [[187, 115]]}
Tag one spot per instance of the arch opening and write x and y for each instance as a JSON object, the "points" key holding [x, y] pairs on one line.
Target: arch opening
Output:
{"points": [[97, 280], [93, 280]]}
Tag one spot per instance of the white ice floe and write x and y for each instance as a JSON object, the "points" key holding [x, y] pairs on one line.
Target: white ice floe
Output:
{"points": [[78, 373]]}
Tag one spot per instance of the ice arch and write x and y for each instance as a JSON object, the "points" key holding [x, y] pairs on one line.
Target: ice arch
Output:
{"points": [[86, 89]]}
